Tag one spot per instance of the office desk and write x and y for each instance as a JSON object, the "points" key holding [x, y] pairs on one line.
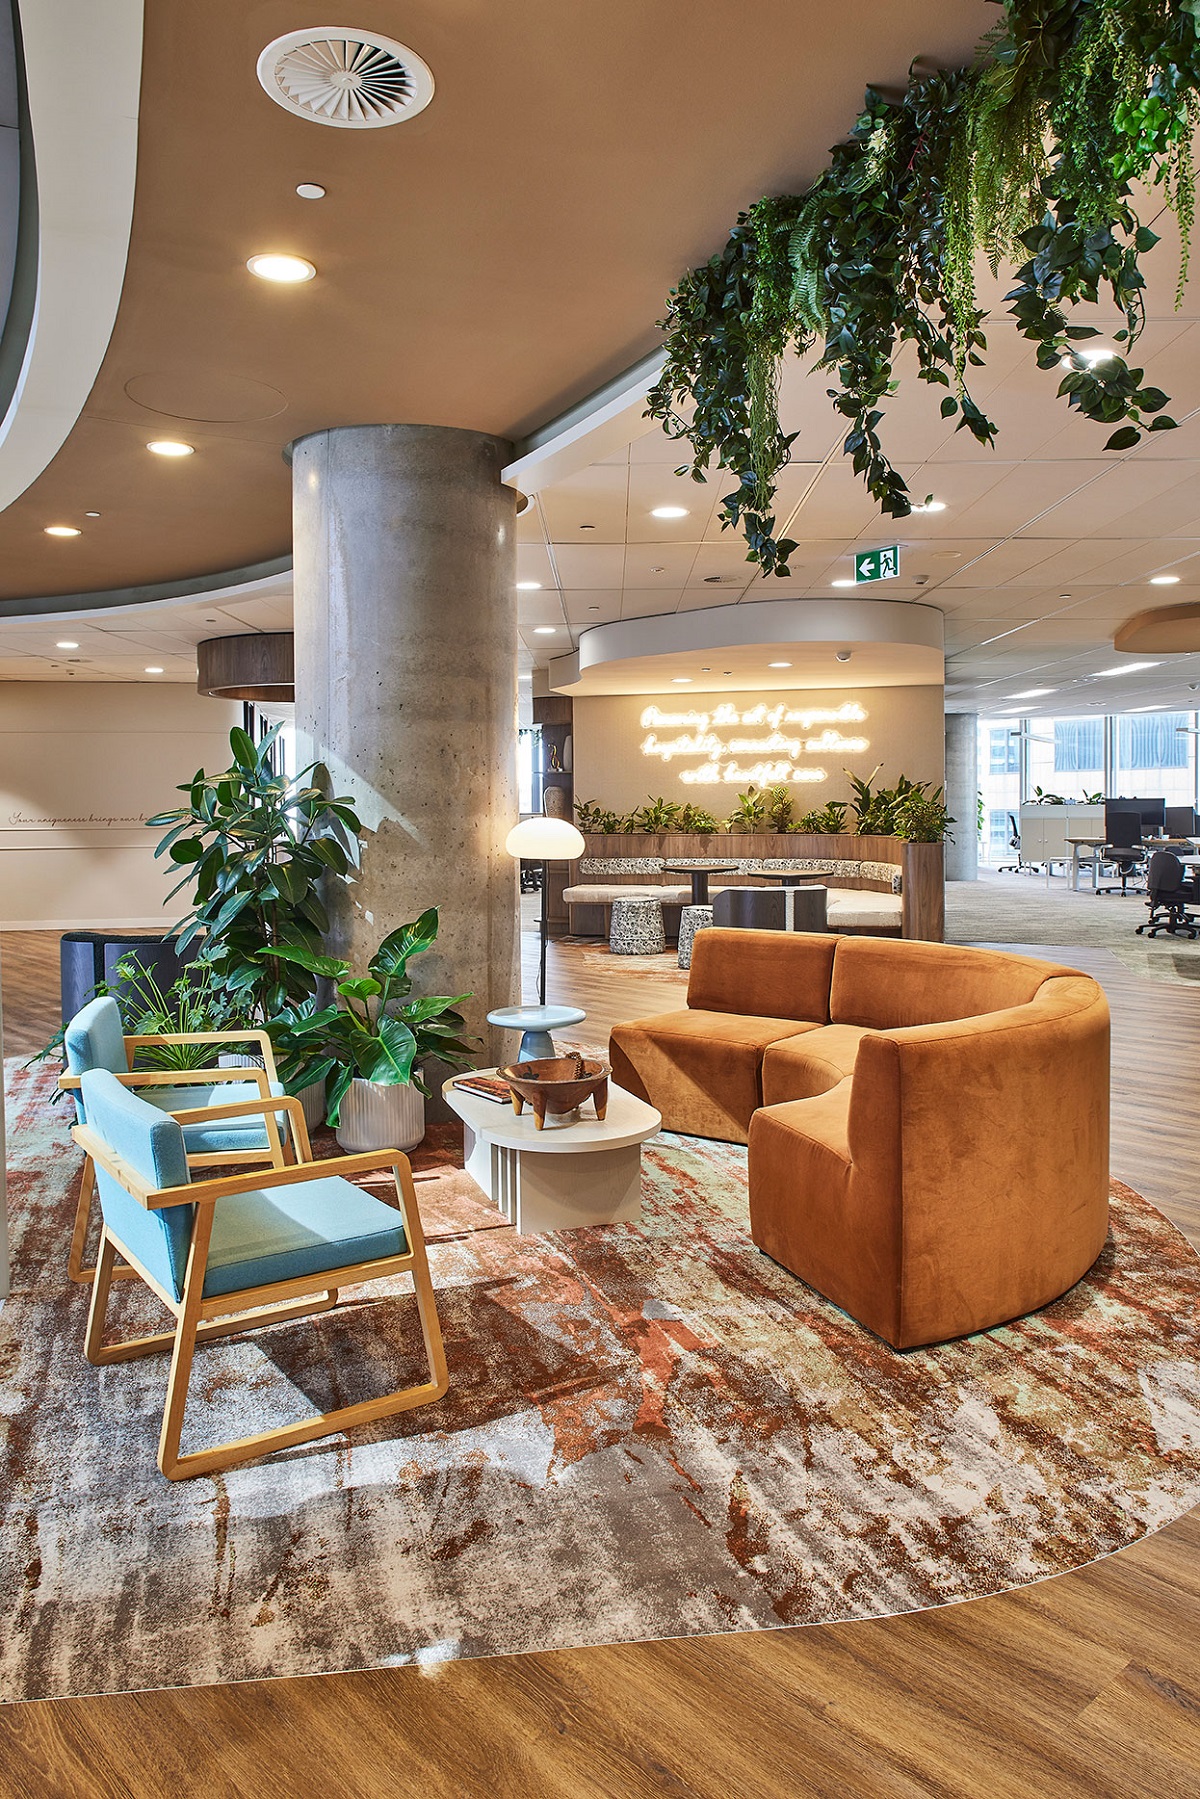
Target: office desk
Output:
{"points": [[1077, 844]]}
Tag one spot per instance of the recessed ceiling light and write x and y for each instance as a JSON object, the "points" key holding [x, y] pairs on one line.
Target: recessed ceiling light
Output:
{"points": [[171, 446], [66, 644], [779, 665], [931, 506], [844, 582], [272, 267], [1164, 580], [1128, 668], [527, 586], [310, 190], [544, 630], [669, 512], [1034, 693], [91, 515], [658, 569], [154, 671], [62, 530], [593, 608], [681, 680], [587, 527]]}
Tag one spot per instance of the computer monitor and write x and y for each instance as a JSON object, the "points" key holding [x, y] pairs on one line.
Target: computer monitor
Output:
{"points": [[1181, 821], [1153, 813]]}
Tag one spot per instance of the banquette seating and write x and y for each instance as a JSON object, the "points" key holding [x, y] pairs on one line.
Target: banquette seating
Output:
{"points": [[863, 896], [927, 1125]]}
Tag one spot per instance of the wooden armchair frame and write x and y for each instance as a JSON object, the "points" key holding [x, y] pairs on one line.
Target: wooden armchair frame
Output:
{"points": [[185, 1077], [199, 1320]]}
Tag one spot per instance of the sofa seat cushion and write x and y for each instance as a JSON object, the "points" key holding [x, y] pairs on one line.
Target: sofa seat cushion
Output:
{"points": [[858, 911], [700, 1069], [800, 1067], [597, 895], [287, 1233]]}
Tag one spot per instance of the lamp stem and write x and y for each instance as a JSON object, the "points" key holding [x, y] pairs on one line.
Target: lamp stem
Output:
{"points": [[542, 965]]}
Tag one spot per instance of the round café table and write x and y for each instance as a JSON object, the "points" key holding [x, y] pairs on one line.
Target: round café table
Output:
{"points": [[700, 871], [536, 1022]]}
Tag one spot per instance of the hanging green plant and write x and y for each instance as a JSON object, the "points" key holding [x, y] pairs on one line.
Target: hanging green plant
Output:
{"points": [[1027, 157]]}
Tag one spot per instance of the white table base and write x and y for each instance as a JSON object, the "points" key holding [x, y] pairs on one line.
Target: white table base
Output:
{"points": [[538, 1192]]}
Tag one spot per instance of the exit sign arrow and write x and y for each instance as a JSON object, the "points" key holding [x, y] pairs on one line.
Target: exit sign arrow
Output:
{"points": [[877, 565]]}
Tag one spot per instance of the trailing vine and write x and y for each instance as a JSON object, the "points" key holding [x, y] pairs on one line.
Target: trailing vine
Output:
{"points": [[1025, 157]]}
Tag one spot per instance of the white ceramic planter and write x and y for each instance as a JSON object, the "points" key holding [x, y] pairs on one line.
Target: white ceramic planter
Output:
{"points": [[377, 1117], [312, 1098]]}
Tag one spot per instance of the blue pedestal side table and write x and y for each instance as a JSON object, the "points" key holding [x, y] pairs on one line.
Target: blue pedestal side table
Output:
{"points": [[536, 1022]]}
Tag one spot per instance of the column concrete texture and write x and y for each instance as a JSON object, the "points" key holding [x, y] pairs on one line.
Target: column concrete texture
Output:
{"points": [[406, 688], [962, 795]]}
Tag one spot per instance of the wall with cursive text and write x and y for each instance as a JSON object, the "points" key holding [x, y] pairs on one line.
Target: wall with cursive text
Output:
{"points": [[706, 748], [81, 768]]}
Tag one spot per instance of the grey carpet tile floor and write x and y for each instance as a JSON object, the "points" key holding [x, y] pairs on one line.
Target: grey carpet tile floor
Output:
{"points": [[1023, 909]]}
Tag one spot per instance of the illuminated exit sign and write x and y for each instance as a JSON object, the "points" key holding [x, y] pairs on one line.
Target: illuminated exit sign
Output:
{"points": [[877, 565]]}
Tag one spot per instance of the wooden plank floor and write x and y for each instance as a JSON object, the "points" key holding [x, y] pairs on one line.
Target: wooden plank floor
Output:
{"points": [[1084, 1687]]}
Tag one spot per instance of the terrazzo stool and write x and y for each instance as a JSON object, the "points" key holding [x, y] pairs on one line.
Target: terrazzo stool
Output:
{"points": [[691, 920], [637, 928], [536, 1022]]}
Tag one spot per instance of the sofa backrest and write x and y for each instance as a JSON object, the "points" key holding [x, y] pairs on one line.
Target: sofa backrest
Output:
{"points": [[762, 974], [885, 985]]}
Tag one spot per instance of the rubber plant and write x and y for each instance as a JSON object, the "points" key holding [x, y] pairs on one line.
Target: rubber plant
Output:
{"points": [[255, 846], [1027, 157]]}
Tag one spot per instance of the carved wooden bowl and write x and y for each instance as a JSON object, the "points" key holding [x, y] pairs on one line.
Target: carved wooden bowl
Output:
{"points": [[557, 1084]]}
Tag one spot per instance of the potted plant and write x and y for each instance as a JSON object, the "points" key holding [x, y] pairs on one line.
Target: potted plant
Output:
{"points": [[369, 1046], [256, 845]]}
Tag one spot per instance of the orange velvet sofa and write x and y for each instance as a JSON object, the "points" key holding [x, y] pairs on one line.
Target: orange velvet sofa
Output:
{"points": [[928, 1125]]}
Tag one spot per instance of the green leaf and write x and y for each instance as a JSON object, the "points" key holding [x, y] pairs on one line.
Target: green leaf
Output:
{"points": [[949, 406], [363, 988], [406, 941], [329, 968], [1163, 423], [397, 1051], [1124, 439]]}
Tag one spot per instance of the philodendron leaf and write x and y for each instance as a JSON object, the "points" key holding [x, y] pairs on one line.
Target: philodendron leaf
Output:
{"points": [[329, 968], [397, 1051], [431, 1005], [407, 940], [364, 988]]}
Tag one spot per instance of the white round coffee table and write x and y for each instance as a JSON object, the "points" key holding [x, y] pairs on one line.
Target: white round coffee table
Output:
{"points": [[579, 1170]]}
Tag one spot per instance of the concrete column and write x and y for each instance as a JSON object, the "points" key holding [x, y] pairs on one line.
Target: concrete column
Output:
{"points": [[406, 651], [962, 795]]}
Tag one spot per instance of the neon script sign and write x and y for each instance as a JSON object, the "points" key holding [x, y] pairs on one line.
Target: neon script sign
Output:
{"points": [[778, 734]]}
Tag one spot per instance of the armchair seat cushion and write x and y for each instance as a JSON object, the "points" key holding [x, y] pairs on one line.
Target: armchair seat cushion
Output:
{"points": [[800, 1067], [287, 1233], [234, 1135], [703, 1068]]}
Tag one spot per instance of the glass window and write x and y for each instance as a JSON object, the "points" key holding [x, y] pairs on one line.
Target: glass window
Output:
{"points": [[1078, 745], [1004, 755], [1152, 741], [999, 785], [527, 742]]}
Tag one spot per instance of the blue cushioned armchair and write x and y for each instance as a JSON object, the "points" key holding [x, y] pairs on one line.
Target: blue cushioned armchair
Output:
{"points": [[94, 1039], [214, 1248]]}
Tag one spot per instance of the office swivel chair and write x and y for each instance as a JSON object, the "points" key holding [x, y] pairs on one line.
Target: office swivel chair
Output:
{"points": [[1169, 895], [1014, 843], [1124, 849]]}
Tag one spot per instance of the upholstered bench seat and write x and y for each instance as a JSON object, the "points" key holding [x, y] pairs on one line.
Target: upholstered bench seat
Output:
{"points": [[598, 894], [703, 1067], [863, 911], [799, 1067]]}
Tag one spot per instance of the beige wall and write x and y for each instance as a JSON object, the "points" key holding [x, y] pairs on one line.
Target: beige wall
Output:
{"points": [[903, 728], [81, 766]]}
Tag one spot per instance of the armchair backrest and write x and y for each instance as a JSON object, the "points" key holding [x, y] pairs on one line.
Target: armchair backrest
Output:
{"points": [[94, 1039], [151, 1144]]}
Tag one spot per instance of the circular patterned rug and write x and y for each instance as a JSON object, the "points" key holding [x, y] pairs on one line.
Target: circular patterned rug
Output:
{"points": [[651, 1431]]}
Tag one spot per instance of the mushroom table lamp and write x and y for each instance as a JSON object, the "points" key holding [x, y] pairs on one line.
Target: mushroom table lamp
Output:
{"points": [[544, 840]]}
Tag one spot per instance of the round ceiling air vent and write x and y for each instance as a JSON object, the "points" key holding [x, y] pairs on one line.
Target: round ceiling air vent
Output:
{"points": [[352, 79]]}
